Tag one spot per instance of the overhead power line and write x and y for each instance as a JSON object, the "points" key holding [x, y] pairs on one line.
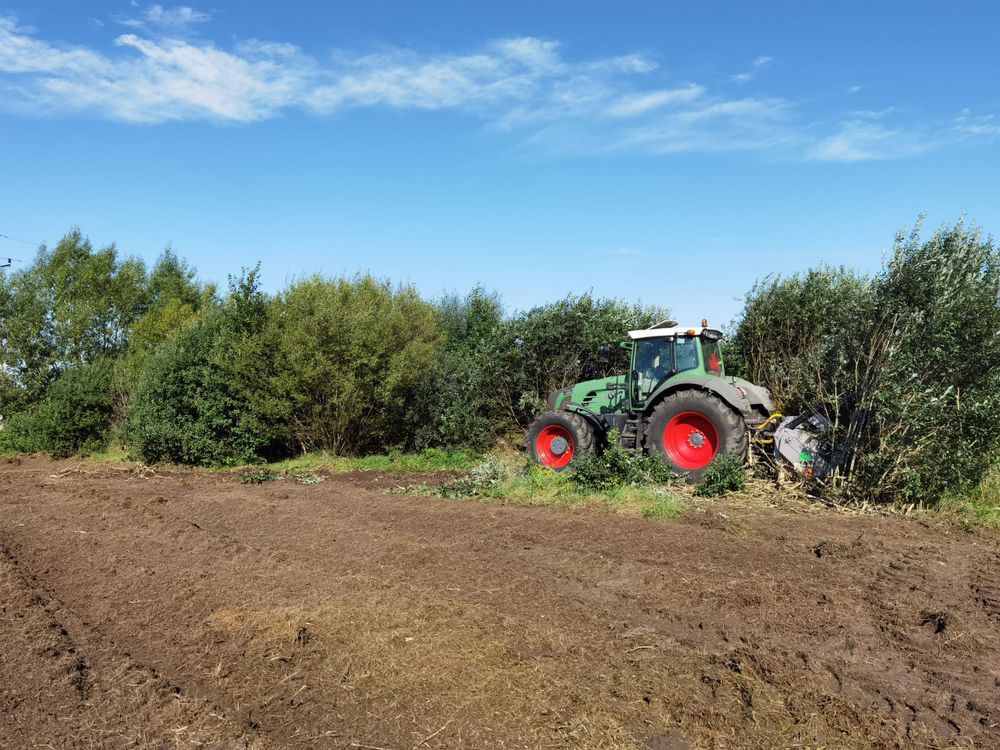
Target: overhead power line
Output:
{"points": [[17, 239]]}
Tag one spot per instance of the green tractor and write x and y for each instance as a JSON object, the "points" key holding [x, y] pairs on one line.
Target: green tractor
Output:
{"points": [[675, 402]]}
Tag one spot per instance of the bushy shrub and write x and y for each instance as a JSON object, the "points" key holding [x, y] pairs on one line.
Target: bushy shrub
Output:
{"points": [[619, 467], [928, 404], [801, 335], [456, 403], [906, 365], [350, 356], [185, 409], [727, 473], [75, 415]]}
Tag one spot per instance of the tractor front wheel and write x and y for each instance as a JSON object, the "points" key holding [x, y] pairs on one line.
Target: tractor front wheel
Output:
{"points": [[688, 429], [556, 438]]}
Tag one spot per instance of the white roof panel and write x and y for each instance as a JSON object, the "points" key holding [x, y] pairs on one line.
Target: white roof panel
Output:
{"points": [[655, 333]]}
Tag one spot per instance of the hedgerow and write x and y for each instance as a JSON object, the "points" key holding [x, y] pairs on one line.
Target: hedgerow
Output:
{"points": [[906, 363]]}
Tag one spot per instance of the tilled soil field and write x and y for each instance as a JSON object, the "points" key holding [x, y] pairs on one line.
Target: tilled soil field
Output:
{"points": [[187, 610]]}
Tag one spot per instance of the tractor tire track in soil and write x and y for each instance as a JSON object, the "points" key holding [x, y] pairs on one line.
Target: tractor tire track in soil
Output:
{"points": [[182, 609]]}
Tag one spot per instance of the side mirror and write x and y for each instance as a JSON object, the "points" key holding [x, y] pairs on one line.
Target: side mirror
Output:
{"points": [[604, 353]]}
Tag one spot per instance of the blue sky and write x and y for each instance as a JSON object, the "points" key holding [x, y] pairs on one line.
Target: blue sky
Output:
{"points": [[668, 152]]}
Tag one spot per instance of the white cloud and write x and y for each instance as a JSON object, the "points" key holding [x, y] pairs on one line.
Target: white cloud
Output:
{"points": [[631, 105], [166, 19], [976, 126], [758, 64], [524, 86], [861, 140]]}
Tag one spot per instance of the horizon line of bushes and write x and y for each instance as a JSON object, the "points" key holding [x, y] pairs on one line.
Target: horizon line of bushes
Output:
{"points": [[100, 348]]}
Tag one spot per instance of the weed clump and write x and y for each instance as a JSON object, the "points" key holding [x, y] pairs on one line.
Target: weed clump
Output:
{"points": [[485, 479], [256, 476], [726, 474], [618, 467]]}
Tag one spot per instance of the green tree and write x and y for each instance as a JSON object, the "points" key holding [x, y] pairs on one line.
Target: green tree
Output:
{"points": [[350, 355], [73, 305]]}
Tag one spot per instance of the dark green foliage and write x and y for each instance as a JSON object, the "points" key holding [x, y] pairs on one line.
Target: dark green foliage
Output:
{"points": [[455, 402], [906, 364], [727, 473], [183, 408], [931, 400], [75, 305], [618, 467], [552, 346], [799, 335], [75, 415], [495, 373]]}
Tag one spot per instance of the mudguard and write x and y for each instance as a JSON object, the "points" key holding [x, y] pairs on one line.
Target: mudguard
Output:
{"points": [[752, 401]]}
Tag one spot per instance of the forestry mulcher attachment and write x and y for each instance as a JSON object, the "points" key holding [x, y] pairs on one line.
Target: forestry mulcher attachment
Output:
{"points": [[675, 402]]}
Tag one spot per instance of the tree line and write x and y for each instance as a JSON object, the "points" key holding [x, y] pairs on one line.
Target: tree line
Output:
{"points": [[98, 348]]}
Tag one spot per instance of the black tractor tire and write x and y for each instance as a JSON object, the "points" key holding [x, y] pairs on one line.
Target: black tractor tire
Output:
{"points": [[702, 427], [573, 429]]}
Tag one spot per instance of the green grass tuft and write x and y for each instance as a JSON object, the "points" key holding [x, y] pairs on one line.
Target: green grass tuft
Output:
{"points": [[663, 506], [980, 506], [432, 459], [504, 481], [256, 476]]}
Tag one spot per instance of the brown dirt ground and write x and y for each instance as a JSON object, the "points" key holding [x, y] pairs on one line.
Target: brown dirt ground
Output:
{"points": [[183, 609]]}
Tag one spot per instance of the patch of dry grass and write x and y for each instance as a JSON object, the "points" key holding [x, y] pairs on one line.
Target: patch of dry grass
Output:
{"points": [[446, 672]]}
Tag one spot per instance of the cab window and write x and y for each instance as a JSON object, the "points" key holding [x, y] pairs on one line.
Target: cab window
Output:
{"points": [[651, 366], [712, 355], [686, 353]]}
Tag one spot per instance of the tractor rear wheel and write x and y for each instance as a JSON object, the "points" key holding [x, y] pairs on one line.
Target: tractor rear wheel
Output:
{"points": [[688, 429], [556, 438]]}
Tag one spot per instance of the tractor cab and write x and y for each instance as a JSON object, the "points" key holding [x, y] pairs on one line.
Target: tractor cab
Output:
{"points": [[666, 350]]}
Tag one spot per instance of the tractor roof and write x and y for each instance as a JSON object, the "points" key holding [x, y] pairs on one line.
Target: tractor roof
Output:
{"points": [[666, 331]]}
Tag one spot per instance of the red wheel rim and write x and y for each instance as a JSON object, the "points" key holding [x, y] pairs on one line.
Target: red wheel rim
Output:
{"points": [[691, 440], [548, 436]]}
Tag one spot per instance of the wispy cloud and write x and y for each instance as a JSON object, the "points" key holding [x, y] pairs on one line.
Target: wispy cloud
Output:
{"points": [[523, 86], [758, 64], [865, 140], [977, 126], [167, 19], [632, 105]]}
